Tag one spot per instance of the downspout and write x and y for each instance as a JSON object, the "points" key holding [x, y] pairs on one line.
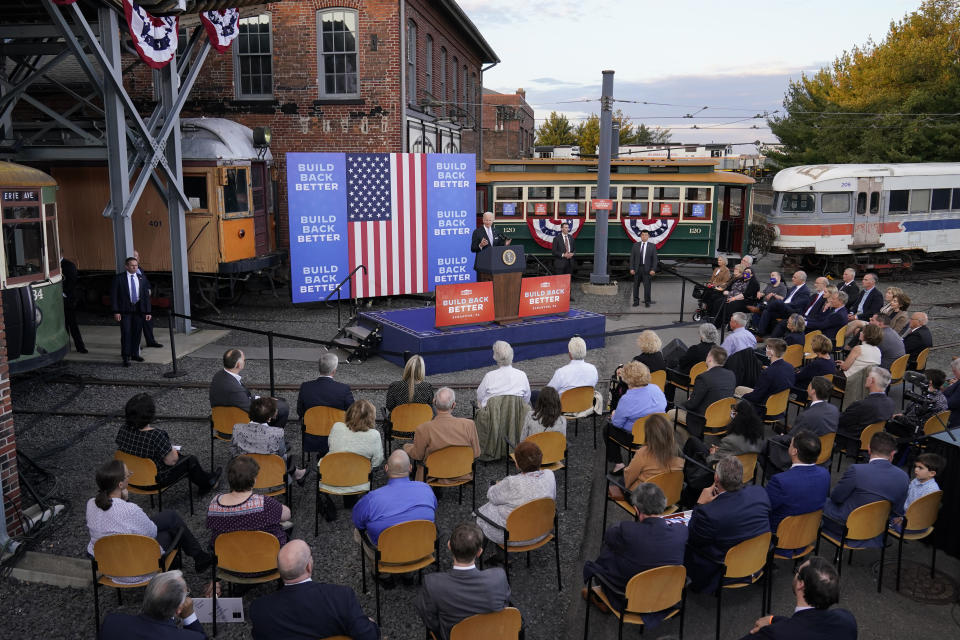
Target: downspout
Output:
{"points": [[480, 119], [403, 76]]}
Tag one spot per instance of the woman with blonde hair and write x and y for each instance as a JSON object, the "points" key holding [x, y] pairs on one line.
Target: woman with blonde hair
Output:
{"points": [[650, 354], [640, 400], [411, 387]]}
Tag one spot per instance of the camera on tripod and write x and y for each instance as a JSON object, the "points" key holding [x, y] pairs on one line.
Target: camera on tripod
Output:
{"points": [[920, 393]]}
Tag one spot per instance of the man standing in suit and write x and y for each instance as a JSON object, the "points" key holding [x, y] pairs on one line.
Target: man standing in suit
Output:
{"points": [[862, 484], [483, 238], [448, 598], [796, 301], [727, 513], [876, 407], [307, 609], [323, 392], [643, 265], [563, 250], [820, 418], [868, 302], [444, 430], [166, 598], [71, 300], [631, 547], [804, 486], [849, 287], [148, 324], [227, 390], [130, 301], [916, 337], [817, 587], [713, 384]]}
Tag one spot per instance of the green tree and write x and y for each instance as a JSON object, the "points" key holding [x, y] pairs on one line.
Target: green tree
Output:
{"points": [[646, 135], [881, 102], [555, 131], [588, 132]]}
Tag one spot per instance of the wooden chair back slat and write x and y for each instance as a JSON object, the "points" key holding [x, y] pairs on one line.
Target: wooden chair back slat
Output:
{"points": [[407, 542], [246, 551], [343, 469], [937, 423], [798, 532], [656, 589], [553, 446], [450, 462], [671, 483], [532, 520], [748, 557], [224, 418], [319, 420], [143, 470], [659, 378], [923, 512], [576, 400], [826, 446], [272, 472], [499, 625], [127, 555], [868, 521]]}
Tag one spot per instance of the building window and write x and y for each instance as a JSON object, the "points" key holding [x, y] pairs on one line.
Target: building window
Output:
{"points": [[455, 96], [337, 51], [465, 101], [428, 61], [412, 63], [253, 58], [475, 94], [443, 79]]}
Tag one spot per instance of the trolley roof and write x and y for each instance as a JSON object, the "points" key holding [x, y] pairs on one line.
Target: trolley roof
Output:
{"points": [[795, 178], [17, 175], [217, 139]]}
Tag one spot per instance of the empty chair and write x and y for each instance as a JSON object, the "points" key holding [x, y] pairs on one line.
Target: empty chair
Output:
{"points": [[244, 557], [222, 420]]}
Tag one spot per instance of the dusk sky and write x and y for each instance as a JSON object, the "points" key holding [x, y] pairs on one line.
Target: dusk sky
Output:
{"points": [[690, 53]]}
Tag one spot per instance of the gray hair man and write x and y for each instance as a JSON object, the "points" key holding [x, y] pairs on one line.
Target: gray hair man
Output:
{"points": [[739, 338], [577, 372], [877, 406], [322, 392], [445, 430], [166, 598]]}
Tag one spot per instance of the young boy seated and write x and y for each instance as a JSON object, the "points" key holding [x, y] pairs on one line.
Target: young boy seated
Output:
{"points": [[925, 468]]}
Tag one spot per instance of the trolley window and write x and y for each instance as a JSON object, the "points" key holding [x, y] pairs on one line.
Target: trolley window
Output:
{"points": [[666, 193], [874, 202], [196, 189], [919, 200], [835, 202], [635, 193], [698, 193], [235, 192], [53, 240], [542, 200], [23, 235], [861, 202], [940, 200], [798, 202], [956, 199], [898, 200], [539, 193], [573, 193], [509, 193]]}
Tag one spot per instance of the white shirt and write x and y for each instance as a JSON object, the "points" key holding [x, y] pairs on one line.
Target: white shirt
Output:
{"points": [[812, 305], [489, 231], [576, 373], [863, 299], [566, 243], [504, 381], [472, 566], [236, 376], [790, 297], [643, 252]]}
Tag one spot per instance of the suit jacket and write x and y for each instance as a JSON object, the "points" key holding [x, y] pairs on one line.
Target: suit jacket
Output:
{"points": [[821, 418], [710, 386], [323, 392], [226, 391], [916, 341], [448, 598], [810, 624], [871, 306], [775, 378], [650, 260], [715, 527], [828, 321], [310, 610], [745, 367], [558, 249], [952, 394], [853, 292], [818, 301], [122, 626], [815, 367], [70, 279], [796, 491], [443, 431], [876, 407], [696, 353], [479, 234], [120, 294], [801, 299], [863, 484]]}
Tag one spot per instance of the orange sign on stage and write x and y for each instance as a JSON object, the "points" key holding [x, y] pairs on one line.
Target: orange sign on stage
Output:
{"points": [[602, 204], [465, 303], [545, 295]]}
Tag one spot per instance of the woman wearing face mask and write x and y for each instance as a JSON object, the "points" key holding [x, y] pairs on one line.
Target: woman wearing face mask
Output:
{"points": [[744, 288]]}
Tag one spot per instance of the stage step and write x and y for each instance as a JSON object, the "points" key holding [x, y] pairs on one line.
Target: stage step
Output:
{"points": [[348, 343], [358, 331]]}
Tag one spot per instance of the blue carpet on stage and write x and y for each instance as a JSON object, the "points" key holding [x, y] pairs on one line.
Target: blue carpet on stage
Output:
{"points": [[469, 347]]}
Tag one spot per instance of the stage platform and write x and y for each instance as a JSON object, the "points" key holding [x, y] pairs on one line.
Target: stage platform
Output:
{"points": [[468, 346]]}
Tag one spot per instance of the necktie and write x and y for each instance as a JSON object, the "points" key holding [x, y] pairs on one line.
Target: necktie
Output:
{"points": [[805, 313], [133, 289], [490, 236], [863, 299], [643, 252], [566, 243]]}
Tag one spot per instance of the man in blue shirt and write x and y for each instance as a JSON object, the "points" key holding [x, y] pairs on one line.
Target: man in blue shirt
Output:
{"points": [[400, 500], [739, 338]]}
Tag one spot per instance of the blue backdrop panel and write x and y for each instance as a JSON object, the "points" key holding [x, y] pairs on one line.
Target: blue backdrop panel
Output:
{"points": [[469, 347]]}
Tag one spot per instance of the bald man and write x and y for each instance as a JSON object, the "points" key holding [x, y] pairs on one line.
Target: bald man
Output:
{"points": [[400, 500], [307, 609]]}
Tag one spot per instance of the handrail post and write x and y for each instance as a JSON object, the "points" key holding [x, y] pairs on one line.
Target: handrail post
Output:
{"points": [[273, 382], [683, 296], [176, 373]]}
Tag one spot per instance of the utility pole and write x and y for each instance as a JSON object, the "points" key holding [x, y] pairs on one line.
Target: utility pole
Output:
{"points": [[600, 275]]}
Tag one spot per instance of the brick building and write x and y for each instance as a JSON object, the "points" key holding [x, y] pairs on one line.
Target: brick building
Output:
{"points": [[9, 482], [508, 125]]}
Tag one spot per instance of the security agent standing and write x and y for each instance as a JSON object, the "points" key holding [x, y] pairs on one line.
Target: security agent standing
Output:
{"points": [[484, 237], [643, 265], [71, 300], [147, 325], [130, 301]]}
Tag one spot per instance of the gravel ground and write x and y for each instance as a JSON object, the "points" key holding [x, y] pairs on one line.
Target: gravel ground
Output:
{"points": [[70, 447]]}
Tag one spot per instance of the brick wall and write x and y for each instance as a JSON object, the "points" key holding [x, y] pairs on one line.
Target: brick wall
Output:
{"points": [[507, 137], [9, 483]]}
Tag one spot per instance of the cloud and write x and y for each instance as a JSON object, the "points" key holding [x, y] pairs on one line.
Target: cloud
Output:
{"points": [[512, 12]]}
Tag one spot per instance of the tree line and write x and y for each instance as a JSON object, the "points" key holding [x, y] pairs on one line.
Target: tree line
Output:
{"points": [[557, 130]]}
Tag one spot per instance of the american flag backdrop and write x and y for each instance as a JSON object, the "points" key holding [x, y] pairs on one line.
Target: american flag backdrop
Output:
{"points": [[386, 210]]}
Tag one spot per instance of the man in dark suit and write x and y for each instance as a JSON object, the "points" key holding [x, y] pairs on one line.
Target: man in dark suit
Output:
{"points": [[804, 486], [448, 598], [849, 287], [814, 308], [227, 389], [817, 587], [564, 248], [952, 394], [71, 300], [820, 418], [130, 301], [323, 392], [831, 317], [868, 302], [779, 308], [631, 547], [713, 384], [916, 337], [862, 484], [483, 237], [779, 375], [307, 609], [165, 599], [876, 407], [643, 265], [727, 513], [148, 324]]}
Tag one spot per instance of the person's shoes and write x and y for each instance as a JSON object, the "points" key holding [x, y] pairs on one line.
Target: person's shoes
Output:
{"points": [[636, 303], [594, 600], [126, 362], [214, 480], [136, 358], [646, 304], [302, 479], [82, 350], [203, 562], [155, 345], [618, 469]]}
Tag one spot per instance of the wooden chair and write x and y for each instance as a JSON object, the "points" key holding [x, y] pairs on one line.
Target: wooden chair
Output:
{"points": [[659, 379], [808, 340], [827, 441], [838, 341], [717, 417], [695, 371], [749, 463], [404, 420], [341, 469], [402, 548], [244, 557], [794, 355], [918, 524], [863, 523], [529, 521], [578, 400], [452, 466], [126, 555], [651, 591], [897, 370], [639, 434], [670, 482], [937, 423], [796, 538], [499, 625], [222, 420], [318, 421], [922, 359], [743, 565], [143, 479], [553, 446], [272, 478], [865, 437], [801, 401], [775, 406]]}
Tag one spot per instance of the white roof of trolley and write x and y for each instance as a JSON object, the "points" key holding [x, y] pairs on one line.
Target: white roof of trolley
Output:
{"points": [[795, 178], [217, 139]]}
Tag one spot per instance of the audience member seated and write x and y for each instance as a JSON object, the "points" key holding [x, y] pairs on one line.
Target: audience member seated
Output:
{"points": [[400, 500], [713, 384], [891, 344], [577, 372], [322, 392], [743, 290], [864, 483], [848, 285], [727, 513], [897, 317], [916, 338], [820, 418], [447, 598], [709, 337], [868, 302], [796, 301], [357, 435], [739, 338], [546, 415], [227, 390], [816, 586], [532, 483], [504, 380], [631, 547], [952, 393], [658, 455], [802, 487], [821, 364], [411, 387], [166, 599], [855, 326], [866, 354], [877, 406], [110, 513], [641, 399], [779, 375], [926, 466], [832, 317], [650, 355], [443, 431], [719, 281], [303, 608], [243, 510], [911, 421], [813, 308], [795, 327], [138, 438], [775, 287], [257, 436]]}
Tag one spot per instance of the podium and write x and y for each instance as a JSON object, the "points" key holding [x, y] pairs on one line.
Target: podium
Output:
{"points": [[504, 265]]}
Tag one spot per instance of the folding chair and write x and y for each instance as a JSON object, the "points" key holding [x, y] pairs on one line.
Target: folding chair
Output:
{"points": [[918, 524], [529, 521], [222, 420], [402, 548], [143, 479], [651, 591], [863, 523]]}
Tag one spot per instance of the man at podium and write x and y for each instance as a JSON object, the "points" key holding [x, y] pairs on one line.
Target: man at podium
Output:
{"points": [[483, 238]]}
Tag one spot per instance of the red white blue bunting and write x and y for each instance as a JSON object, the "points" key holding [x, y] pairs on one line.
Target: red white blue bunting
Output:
{"points": [[222, 26], [660, 229], [154, 38], [544, 230]]}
